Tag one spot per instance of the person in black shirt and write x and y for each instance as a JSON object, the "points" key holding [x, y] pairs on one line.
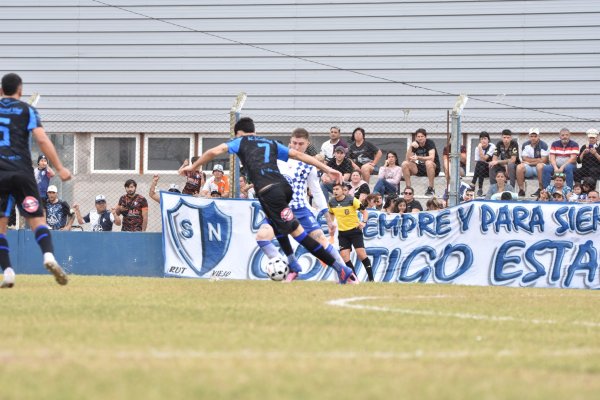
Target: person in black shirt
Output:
{"points": [[422, 159], [506, 158], [17, 182], [365, 155], [259, 155]]}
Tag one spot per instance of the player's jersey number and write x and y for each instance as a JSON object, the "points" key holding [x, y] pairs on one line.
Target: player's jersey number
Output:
{"points": [[5, 140]]}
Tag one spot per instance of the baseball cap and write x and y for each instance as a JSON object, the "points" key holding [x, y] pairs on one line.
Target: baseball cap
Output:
{"points": [[340, 148], [100, 198], [42, 157], [534, 131], [592, 132], [218, 167], [52, 189], [174, 188]]}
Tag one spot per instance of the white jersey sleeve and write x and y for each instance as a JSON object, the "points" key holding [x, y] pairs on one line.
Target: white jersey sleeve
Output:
{"points": [[315, 189]]}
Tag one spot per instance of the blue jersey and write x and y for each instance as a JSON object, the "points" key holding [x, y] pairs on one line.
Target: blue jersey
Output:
{"points": [[17, 120], [259, 155]]}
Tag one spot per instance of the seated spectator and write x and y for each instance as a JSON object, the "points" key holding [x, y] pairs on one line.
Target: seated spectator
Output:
{"points": [[358, 188], [401, 205], [100, 219], [500, 186], [506, 158], [217, 183], [365, 155], [589, 158], [577, 196], [562, 158], [483, 155], [43, 173], [194, 180], [586, 185], [370, 201], [335, 141], [434, 204], [505, 196], [58, 212], [246, 188], [544, 196], [341, 163], [412, 205], [389, 175], [391, 205], [422, 160], [446, 164], [593, 197], [558, 196], [468, 196], [559, 185], [215, 194], [534, 155]]}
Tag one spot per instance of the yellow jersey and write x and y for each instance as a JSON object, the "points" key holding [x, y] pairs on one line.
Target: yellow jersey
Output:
{"points": [[345, 212]]}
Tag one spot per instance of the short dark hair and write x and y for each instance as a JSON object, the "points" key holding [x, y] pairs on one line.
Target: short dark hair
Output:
{"points": [[301, 133], [339, 184], [11, 83], [358, 129], [130, 182], [506, 196], [194, 159], [507, 132], [245, 125], [421, 130], [484, 134], [215, 193]]}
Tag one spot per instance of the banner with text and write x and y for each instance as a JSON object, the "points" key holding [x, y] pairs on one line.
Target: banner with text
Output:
{"points": [[476, 243]]}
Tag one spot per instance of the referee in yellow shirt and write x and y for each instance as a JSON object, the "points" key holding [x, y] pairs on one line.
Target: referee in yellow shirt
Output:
{"points": [[344, 208]]}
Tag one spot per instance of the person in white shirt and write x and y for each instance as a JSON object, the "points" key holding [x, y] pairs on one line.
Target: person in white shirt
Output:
{"points": [[328, 147], [100, 219]]}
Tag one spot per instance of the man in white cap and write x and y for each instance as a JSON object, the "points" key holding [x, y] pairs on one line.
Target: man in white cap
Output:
{"points": [[58, 212], [534, 155], [217, 183], [589, 158], [100, 219]]}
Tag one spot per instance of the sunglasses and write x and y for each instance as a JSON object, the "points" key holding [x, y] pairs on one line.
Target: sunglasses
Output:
{"points": [[407, 192]]}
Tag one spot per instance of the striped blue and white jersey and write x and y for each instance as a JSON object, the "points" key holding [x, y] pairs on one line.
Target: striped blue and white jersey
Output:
{"points": [[300, 176]]}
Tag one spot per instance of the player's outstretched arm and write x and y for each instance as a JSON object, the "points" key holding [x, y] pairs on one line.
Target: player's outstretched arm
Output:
{"points": [[47, 148], [206, 157], [334, 174]]}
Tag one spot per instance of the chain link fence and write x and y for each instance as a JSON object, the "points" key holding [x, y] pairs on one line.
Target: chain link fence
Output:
{"points": [[104, 153]]}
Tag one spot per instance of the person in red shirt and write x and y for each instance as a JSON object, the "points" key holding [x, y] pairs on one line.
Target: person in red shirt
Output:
{"points": [[134, 209]]}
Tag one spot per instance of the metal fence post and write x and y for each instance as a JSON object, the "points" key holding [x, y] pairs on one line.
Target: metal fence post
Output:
{"points": [[454, 154], [234, 162]]}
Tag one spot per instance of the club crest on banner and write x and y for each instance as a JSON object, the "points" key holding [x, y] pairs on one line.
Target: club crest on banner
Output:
{"points": [[200, 234]]}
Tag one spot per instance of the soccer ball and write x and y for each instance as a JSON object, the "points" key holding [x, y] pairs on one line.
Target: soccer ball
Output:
{"points": [[277, 268]]}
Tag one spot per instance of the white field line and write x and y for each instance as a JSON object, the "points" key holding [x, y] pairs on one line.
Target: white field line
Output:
{"points": [[350, 303]]}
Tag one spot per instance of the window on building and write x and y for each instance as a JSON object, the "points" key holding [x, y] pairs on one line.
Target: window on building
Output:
{"points": [[167, 153], [114, 153]]}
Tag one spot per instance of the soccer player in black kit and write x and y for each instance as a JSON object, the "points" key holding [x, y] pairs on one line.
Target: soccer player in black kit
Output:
{"points": [[17, 182], [259, 156]]}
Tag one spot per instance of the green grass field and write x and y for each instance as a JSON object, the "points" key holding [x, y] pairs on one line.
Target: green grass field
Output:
{"points": [[140, 338]]}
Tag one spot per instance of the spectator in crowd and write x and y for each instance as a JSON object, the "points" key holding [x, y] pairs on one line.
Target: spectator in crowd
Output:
{"points": [[401, 204], [562, 158], [544, 196], [390, 175], [506, 157], [593, 197], [218, 182], [483, 155], [468, 196], [412, 205], [558, 196], [133, 207], [559, 185], [446, 163], [577, 195], [422, 160], [534, 154], [500, 186], [506, 196], [174, 188], [341, 163], [370, 201], [100, 219], [391, 205], [358, 187], [335, 141], [194, 180], [364, 154], [434, 204], [58, 212], [43, 173], [586, 185], [589, 158], [215, 194], [246, 188]]}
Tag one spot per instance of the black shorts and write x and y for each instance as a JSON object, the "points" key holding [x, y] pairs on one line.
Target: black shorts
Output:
{"points": [[352, 238], [275, 202], [422, 169], [19, 188]]}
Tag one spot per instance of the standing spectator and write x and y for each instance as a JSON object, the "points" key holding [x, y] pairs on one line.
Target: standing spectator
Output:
{"points": [[468, 196], [58, 212], [446, 164], [559, 185], [589, 158], [340, 163], [152, 192], [483, 155], [246, 188], [506, 157], [535, 156], [335, 141], [194, 180], [500, 186], [593, 197], [412, 205], [134, 209], [100, 219], [562, 158], [422, 159], [364, 154], [43, 173], [217, 183], [358, 187], [389, 175]]}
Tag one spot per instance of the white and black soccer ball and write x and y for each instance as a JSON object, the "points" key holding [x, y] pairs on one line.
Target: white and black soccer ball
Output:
{"points": [[277, 268]]}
